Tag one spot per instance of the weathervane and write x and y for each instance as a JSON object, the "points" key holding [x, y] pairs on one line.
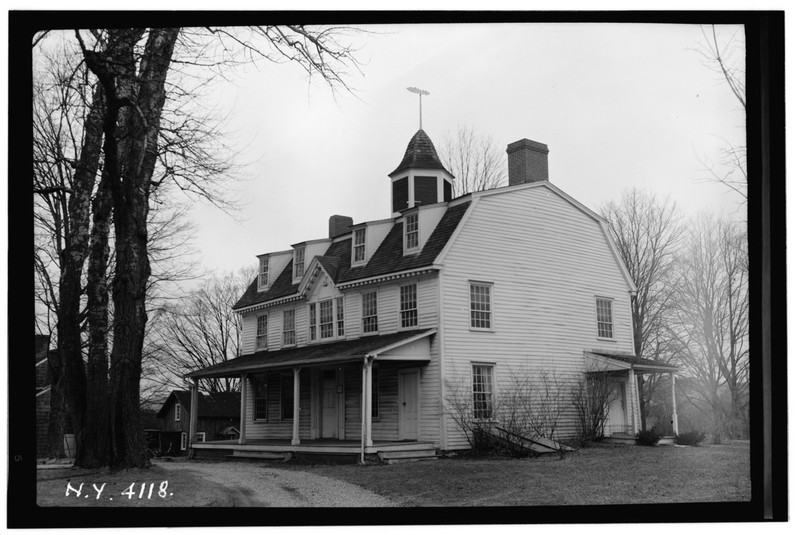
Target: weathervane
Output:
{"points": [[419, 92]]}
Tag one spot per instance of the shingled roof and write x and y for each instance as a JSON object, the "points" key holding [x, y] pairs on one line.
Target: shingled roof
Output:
{"points": [[226, 405], [332, 352], [420, 154], [386, 260]]}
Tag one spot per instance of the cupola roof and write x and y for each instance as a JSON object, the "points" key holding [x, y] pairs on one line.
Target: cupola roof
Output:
{"points": [[420, 154]]}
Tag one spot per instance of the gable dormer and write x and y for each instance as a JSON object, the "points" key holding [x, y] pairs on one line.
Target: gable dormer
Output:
{"points": [[418, 225], [270, 266], [420, 179], [304, 252], [367, 237]]}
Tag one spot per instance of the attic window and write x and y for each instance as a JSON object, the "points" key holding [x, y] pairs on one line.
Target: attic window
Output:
{"points": [[359, 245], [412, 232], [178, 412], [263, 272], [299, 262]]}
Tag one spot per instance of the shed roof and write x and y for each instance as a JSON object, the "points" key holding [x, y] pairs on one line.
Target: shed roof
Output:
{"points": [[636, 363], [333, 352]]}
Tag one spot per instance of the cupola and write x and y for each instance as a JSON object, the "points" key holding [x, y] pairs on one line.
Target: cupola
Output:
{"points": [[420, 178]]}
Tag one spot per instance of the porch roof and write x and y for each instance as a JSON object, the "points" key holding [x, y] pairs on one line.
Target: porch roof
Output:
{"points": [[320, 354], [606, 361]]}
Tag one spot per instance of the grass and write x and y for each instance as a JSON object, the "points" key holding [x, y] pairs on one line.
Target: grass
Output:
{"points": [[183, 489], [601, 474]]}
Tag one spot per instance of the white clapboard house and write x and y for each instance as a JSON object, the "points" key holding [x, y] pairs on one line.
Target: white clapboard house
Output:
{"points": [[354, 343]]}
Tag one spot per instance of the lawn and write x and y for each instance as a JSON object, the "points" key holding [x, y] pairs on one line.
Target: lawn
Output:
{"points": [[602, 474]]}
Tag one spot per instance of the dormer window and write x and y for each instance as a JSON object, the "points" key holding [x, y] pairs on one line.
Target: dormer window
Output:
{"points": [[412, 232], [359, 246], [263, 272], [299, 262]]}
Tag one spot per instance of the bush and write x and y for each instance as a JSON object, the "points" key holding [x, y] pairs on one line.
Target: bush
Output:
{"points": [[690, 438], [648, 438]]}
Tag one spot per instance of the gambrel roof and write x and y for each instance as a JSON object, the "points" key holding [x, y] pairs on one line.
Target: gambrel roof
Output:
{"points": [[387, 259]]}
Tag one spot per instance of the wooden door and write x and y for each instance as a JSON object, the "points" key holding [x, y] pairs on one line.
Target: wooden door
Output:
{"points": [[330, 405], [408, 401]]}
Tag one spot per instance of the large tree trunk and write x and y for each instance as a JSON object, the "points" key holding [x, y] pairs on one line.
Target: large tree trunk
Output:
{"points": [[73, 258], [96, 451], [55, 425], [131, 129]]}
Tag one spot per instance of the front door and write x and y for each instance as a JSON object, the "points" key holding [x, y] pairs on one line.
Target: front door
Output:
{"points": [[616, 411], [330, 405], [408, 400]]}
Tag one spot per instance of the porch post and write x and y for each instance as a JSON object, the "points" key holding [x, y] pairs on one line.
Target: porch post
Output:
{"points": [[243, 408], [674, 407], [633, 401], [296, 415], [368, 401], [193, 417], [363, 407]]}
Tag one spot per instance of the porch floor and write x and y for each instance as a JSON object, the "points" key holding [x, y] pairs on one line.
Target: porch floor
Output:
{"points": [[314, 446]]}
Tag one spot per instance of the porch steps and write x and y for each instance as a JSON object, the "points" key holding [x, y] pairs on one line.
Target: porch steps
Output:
{"points": [[263, 455], [408, 455]]}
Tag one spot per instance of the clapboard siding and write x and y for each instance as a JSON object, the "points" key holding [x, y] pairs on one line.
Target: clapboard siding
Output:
{"points": [[388, 314], [274, 427], [547, 261]]}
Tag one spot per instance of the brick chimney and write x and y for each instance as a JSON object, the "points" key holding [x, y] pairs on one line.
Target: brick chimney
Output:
{"points": [[527, 162], [338, 225]]}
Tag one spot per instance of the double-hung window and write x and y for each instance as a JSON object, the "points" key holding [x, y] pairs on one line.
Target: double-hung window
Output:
{"points": [[312, 321], [408, 306], [482, 390], [605, 318], [412, 232], [288, 327], [359, 246], [480, 305], [299, 262], [369, 312], [261, 332], [263, 272], [340, 316], [326, 319], [260, 398]]}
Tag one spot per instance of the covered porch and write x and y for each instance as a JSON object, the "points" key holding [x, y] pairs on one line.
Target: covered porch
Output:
{"points": [[619, 372], [352, 397]]}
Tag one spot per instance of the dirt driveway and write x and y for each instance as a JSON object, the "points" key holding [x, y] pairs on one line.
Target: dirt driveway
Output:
{"points": [[257, 485]]}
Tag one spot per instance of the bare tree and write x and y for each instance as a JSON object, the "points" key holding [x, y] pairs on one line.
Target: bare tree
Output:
{"points": [[476, 161], [132, 68], [710, 326], [591, 397], [198, 331], [647, 233], [724, 55]]}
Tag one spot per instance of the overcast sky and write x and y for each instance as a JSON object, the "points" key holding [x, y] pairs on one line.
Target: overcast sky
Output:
{"points": [[618, 105]]}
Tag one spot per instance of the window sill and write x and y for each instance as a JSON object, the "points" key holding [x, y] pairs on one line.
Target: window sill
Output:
{"points": [[600, 339], [479, 330]]}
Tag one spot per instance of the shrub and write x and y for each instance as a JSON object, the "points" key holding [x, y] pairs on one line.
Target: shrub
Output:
{"points": [[649, 437], [690, 438]]}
